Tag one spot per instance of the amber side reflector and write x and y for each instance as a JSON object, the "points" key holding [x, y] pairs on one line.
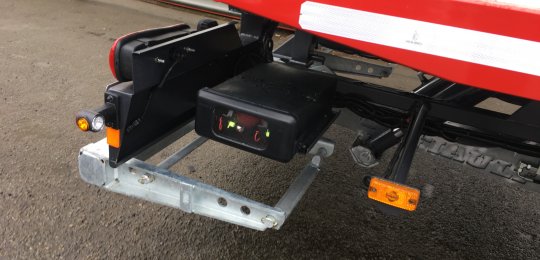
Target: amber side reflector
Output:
{"points": [[83, 124], [393, 194], [113, 137]]}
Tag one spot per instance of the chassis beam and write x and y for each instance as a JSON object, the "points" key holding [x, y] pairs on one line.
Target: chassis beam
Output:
{"points": [[446, 118]]}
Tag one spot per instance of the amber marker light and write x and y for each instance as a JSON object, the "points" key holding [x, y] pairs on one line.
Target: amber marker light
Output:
{"points": [[393, 194], [83, 124], [88, 120]]}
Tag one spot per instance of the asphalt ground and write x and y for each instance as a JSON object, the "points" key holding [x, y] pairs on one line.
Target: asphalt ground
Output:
{"points": [[53, 62]]}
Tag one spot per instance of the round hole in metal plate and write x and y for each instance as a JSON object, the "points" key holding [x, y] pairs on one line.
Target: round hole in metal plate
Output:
{"points": [[222, 202], [245, 210]]}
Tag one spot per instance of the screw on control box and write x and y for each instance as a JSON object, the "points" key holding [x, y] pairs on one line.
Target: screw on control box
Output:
{"points": [[274, 110]]}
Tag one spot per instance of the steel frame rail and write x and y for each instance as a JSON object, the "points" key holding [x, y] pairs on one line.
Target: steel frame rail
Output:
{"points": [[157, 184], [451, 118]]}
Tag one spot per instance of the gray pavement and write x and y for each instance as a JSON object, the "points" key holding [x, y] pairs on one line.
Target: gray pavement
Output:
{"points": [[53, 62]]}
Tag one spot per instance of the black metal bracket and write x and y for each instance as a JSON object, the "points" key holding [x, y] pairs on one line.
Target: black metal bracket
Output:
{"points": [[300, 49], [357, 67], [405, 155], [296, 49], [259, 30]]}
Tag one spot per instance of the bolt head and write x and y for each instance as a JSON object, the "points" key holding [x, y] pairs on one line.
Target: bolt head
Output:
{"points": [[269, 221], [145, 179], [366, 156]]}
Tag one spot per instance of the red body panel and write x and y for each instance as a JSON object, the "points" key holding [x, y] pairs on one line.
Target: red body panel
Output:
{"points": [[511, 20]]}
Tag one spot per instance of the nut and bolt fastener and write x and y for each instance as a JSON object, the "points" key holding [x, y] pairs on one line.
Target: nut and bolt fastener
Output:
{"points": [[366, 157], [145, 179], [269, 221]]}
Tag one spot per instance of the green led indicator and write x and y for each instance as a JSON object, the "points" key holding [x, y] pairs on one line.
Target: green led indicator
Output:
{"points": [[267, 134], [231, 124]]}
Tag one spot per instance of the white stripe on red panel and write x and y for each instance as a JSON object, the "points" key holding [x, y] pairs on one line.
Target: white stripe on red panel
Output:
{"points": [[440, 40], [530, 4]]}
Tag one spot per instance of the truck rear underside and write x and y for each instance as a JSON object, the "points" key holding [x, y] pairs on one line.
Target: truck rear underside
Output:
{"points": [[230, 84]]}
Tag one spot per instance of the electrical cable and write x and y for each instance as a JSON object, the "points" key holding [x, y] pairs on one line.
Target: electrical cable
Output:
{"points": [[138, 121], [380, 115]]}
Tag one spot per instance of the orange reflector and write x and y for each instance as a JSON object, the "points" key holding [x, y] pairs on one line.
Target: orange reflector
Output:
{"points": [[83, 124], [113, 137], [393, 194]]}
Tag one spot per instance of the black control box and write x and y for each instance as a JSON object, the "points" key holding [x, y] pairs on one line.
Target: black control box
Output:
{"points": [[274, 110]]}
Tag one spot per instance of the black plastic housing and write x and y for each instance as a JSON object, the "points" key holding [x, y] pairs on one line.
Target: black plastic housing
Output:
{"points": [[147, 113], [125, 46], [295, 103]]}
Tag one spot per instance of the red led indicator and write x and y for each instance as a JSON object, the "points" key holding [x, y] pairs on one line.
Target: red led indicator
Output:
{"points": [[257, 136], [220, 126]]}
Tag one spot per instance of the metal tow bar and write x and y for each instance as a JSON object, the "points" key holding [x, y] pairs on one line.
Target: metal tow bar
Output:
{"points": [[157, 184]]}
